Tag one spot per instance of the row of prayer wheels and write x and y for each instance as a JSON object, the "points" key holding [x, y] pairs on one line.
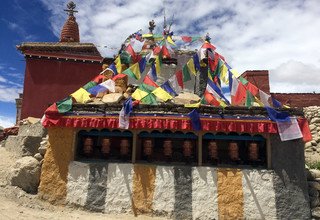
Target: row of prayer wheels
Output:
{"points": [[88, 147]]}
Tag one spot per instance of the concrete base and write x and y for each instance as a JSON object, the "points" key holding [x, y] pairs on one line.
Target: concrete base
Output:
{"points": [[183, 192]]}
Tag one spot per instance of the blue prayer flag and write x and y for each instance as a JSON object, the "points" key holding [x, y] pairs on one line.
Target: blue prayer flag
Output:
{"points": [[96, 89], [195, 120], [127, 106], [278, 116], [167, 87], [142, 64], [196, 62], [276, 103]]}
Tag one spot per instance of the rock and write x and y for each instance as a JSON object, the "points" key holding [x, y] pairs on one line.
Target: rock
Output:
{"points": [[316, 212], [314, 143], [23, 145], [26, 174], [186, 98], [38, 156], [314, 202], [315, 173], [309, 150], [313, 192], [312, 127], [315, 185], [307, 145], [309, 175], [34, 130], [315, 120], [112, 98], [42, 150]]}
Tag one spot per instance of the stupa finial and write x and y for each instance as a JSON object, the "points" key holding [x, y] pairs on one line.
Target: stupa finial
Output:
{"points": [[71, 6]]}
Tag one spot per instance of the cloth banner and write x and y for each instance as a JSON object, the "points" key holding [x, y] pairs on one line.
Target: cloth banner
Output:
{"points": [[289, 130], [123, 119]]}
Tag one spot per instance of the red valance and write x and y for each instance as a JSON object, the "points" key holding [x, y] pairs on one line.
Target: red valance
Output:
{"points": [[175, 123]]}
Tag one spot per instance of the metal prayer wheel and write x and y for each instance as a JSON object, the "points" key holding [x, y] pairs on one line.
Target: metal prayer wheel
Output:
{"points": [[88, 146], [124, 147], [253, 151], [233, 151], [187, 148], [105, 146], [213, 150], [167, 148], [147, 147]]}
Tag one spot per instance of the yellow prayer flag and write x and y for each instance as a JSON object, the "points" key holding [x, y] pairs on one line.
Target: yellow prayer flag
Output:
{"points": [[222, 103], [224, 74], [170, 41], [139, 94], [136, 70], [209, 75], [235, 72], [194, 105], [147, 35], [158, 67], [190, 65], [118, 64], [81, 95], [286, 106], [258, 102], [161, 94]]}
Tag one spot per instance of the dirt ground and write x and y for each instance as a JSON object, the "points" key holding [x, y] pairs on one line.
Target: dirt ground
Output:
{"points": [[16, 204]]}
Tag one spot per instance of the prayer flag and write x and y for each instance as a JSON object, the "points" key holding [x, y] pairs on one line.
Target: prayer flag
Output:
{"points": [[264, 97], [224, 74], [158, 64], [193, 105], [81, 95], [170, 41], [186, 39], [142, 64], [139, 94], [279, 116], [207, 45], [147, 80], [174, 83], [133, 71], [240, 94], [118, 64], [165, 52], [289, 130], [130, 50], [89, 85], [196, 62], [230, 80], [217, 90], [235, 84], [191, 66], [195, 120], [167, 87], [152, 73], [64, 105], [179, 77], [146, 88], [186, 74], [276, 103], [99, 78], [161, 94], [149, 99], [97, 89], [128, 106], [210, 99], [252, 88], [249, 99], [124, 119], [109, 84], [243, 80], [113, 68]]}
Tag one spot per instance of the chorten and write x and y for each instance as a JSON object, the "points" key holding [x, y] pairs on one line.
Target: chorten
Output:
{"points": [[70, 30]]}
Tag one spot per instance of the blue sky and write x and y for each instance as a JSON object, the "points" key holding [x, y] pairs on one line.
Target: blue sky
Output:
{"points": [[280, 36]]}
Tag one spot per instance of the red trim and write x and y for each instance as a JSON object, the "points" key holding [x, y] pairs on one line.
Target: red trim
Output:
{"points": [[68, 56]]}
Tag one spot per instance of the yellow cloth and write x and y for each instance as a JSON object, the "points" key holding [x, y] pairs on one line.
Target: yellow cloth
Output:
{"points": [[194, 105], [224, 74], [161, 94], [222, 103], [258, 102], [136, 70], [81, 95], [190, 65], [158, 67], [139, 94], [147, 35], [170, 41], [118, 64], [235, 72]]}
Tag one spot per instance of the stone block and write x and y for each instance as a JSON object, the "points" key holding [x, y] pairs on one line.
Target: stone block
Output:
{"points": [[34, 130], [22, 145], [312, 127], [315, 173], [315, 185], [26, 174], [308, 145]]}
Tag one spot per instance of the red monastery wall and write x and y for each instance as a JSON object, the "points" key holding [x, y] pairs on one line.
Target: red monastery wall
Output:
{"points": [[298, 99], [47, 81]]}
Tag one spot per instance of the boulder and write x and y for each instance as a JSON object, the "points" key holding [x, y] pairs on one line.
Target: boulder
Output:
{"points": [[308, 145], [23, 145], [186, 98], [112, 98], [34, 130], [312, 127], [26, 174], [315, 173], [38, 156], [315, 120], [314, 202], [42, 149], [315, 185]]}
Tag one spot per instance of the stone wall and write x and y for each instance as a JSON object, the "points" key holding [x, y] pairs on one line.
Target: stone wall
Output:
{"points": [[312, 148]]}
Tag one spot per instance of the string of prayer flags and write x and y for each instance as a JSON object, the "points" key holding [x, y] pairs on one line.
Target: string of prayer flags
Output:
{"points": [[102, 87], [81, 96], [218, 91], [167, 87], [276, 103], [195, 120], [162, 94], [170, 41], [133, 71], [279, 116]]}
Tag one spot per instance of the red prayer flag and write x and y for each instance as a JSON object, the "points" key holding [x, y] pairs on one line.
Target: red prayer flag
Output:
{"points": [[156, 50], [147, 80], [119, 76], [211, 99], [130, 50], [240, 94], [252, 88], [208, 46], [179, 76], [98, 79], [186, 39], [165, 52]]}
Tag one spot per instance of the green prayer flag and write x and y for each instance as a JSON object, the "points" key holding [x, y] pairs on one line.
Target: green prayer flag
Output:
{"points": [[243, 80], [146, 88], [64, 105], [125, 57], [249, 99], [149, 99], [217, 71], [203, 101], [89, 85], [186, 73]]}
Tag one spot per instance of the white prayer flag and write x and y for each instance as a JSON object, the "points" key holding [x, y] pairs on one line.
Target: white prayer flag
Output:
{"points": [[289, 130]]}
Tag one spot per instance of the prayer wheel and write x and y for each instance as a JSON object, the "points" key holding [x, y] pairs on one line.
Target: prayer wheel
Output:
{"points": [[88, 146], [213, 150], [147, 147], [105, 146], [253, 151], [187, 148], [124, 147], [233, 151], [167, 148]]}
